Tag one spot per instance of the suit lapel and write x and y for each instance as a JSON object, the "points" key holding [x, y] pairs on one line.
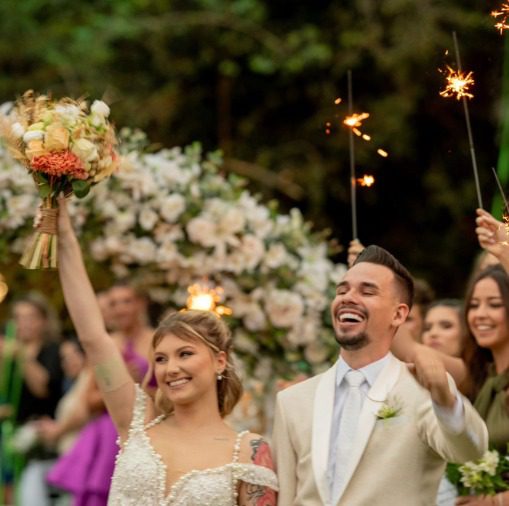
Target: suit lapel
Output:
{"points": [[377, 395], [322, 419]]}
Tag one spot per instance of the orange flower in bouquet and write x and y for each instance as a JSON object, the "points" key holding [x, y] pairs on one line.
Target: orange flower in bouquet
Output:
{"points": [[67, 147]]}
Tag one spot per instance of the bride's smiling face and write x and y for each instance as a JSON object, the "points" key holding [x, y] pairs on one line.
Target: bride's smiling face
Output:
{"points": [[186, 370]]}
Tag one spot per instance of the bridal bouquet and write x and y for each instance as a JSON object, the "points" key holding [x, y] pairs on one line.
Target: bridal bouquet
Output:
{"points": [[486, 476], [67, 147]]}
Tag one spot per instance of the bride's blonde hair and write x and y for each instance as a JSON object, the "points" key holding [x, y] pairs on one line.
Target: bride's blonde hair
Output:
{"points": [[206, 327]]}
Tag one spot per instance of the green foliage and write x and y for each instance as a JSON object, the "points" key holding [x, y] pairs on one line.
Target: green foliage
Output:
{"points": [[80, 188], [484, 477], [257, 79]]}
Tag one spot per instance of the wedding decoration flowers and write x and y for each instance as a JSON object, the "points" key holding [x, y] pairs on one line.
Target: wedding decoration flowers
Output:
{"points": [[170, 219], [66, 148], [486, 476], [390, 409]]}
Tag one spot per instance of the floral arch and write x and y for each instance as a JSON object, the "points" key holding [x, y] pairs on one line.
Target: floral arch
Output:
{"points": [[169, 219]]}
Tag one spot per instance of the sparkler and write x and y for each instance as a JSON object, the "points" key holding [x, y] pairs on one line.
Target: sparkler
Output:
{"points": [[206, 298], [505, 214], [366, 180], [503, 14], [353, 121], [457, 86], [356, 122], [501, 190]]}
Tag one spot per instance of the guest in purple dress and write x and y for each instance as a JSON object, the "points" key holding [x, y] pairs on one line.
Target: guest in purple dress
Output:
{"points": [[86, 470]]}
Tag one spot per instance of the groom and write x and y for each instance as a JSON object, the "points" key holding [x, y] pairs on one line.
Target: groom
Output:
{"points": [[370, 431]]}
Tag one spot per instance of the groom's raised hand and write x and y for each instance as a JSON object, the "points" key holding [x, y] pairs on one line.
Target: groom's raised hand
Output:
{"points": [[429, 370]]}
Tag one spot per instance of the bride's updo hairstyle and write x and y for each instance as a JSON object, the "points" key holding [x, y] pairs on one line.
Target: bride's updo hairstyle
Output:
{"points": [[206, 327]]}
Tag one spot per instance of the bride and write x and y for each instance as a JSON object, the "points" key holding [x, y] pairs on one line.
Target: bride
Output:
{"points": [[177, 449]]}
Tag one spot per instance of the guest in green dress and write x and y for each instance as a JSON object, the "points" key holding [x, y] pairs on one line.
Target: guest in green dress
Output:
{"points": [[486, 353], [482, 372]]}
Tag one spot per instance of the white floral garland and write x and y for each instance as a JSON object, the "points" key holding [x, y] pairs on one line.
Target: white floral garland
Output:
{"points": [[170, 218]]}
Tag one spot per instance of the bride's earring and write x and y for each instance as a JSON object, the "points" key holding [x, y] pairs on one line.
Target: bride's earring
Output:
{"points": [[219, 376]]}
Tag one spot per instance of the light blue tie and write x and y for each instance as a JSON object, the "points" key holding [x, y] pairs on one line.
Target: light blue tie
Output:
{"points": [[347, 427]]}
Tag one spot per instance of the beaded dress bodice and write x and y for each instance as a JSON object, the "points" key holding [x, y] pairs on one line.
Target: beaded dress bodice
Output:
{"points": [[140, 473]]}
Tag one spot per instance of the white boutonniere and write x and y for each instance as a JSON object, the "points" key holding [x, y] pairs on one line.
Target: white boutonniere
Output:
{"points": [[390, 409]]}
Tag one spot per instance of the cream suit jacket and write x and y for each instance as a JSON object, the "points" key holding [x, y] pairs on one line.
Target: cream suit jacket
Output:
{"points": [[395, 462]]}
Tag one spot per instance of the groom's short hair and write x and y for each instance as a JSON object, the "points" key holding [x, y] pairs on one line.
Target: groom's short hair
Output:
{"points": [[379, 256]]}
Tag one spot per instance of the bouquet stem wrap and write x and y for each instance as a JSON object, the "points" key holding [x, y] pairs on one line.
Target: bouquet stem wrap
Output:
{"points": [[41, 252]]}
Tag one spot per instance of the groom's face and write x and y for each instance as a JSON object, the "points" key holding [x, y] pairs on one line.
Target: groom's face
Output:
{"points": [[366, 307]]}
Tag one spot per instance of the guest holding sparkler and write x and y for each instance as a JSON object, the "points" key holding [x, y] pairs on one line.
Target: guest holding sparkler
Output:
{"points": [[483, 370]]}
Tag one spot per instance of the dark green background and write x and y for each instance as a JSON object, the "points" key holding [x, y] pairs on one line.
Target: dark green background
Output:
{"points": [[257, 78]]}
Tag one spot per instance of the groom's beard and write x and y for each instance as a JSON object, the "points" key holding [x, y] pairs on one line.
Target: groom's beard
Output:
{"points": [[351, 343]]}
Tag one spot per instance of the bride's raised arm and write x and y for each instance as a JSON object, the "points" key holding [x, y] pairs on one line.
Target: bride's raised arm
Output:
{"points": [[111, 373]]}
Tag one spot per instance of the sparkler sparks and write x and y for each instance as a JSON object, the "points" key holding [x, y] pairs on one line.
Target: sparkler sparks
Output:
{"points": [[457, 84], [366, 180], [355, 120], [503, 14], [205, 298]]}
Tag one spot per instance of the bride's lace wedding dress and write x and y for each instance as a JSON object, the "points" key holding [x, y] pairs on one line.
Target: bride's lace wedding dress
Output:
{"points": [[140, 473]]}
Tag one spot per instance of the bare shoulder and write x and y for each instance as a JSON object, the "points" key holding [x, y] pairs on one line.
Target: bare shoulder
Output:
{"points": [[254, 449]]}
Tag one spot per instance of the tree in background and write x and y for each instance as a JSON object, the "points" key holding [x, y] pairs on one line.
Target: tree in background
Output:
{"points": [[258, 78]]}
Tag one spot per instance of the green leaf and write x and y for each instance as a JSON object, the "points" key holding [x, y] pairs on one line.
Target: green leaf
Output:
{"points": [[40, 178], [44, 190], [80, 188]]}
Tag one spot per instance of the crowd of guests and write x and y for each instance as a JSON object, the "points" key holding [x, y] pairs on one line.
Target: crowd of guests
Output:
{"points": [[58, 441]]}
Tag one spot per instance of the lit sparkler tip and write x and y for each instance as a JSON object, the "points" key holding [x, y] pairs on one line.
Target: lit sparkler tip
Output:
{"points": [[356, 119], [503, 14], [458, 84], [205, 298], [366, 180], [382, 152]]}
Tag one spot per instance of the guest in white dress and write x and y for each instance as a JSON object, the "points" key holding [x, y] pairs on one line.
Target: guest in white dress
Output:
{"points": [[174, 450]]}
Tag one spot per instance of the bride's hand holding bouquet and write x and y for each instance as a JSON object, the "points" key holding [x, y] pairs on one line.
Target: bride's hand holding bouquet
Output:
{"points": [[67, 147]]}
